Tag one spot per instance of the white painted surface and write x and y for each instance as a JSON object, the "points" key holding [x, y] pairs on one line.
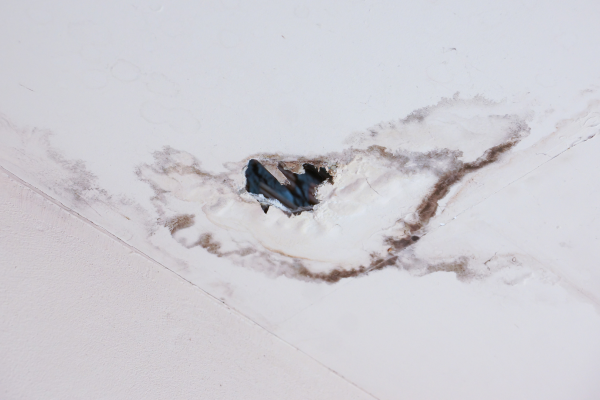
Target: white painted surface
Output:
{"points": [[82, 316], [90, 91]]}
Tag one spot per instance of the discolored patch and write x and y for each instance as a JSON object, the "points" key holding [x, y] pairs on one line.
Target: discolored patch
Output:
{"points": [[207, 242], [341, 214], [179, 222]]}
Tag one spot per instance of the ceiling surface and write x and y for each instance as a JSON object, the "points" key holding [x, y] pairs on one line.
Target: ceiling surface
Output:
{"points": [[455, 254]]}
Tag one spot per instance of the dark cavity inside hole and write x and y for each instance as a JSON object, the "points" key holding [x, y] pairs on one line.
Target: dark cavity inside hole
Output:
{"points": [[297, 195]]}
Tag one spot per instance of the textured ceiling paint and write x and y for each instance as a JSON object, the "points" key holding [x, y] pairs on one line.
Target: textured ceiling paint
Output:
{"points": [[83, 316]]}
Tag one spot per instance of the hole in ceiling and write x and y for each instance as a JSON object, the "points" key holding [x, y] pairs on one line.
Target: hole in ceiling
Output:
{"points": [[293, 197]]}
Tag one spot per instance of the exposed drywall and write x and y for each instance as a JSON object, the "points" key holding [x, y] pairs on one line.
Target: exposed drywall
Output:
{"points": [[83, 316]]}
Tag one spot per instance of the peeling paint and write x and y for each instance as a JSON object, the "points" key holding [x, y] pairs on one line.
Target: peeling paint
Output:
{"points": [[387, 187]]}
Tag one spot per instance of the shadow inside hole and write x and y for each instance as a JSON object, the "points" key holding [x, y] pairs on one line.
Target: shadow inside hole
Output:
{"points": [[296, 195]]}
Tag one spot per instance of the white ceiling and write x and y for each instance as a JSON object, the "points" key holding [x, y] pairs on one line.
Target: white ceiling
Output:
{"points": [[111, 83]]}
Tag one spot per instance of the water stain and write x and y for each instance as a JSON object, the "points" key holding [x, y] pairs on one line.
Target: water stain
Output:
{"points": [[179, 222], [328, 234], [207, 242], [177, 177]]}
